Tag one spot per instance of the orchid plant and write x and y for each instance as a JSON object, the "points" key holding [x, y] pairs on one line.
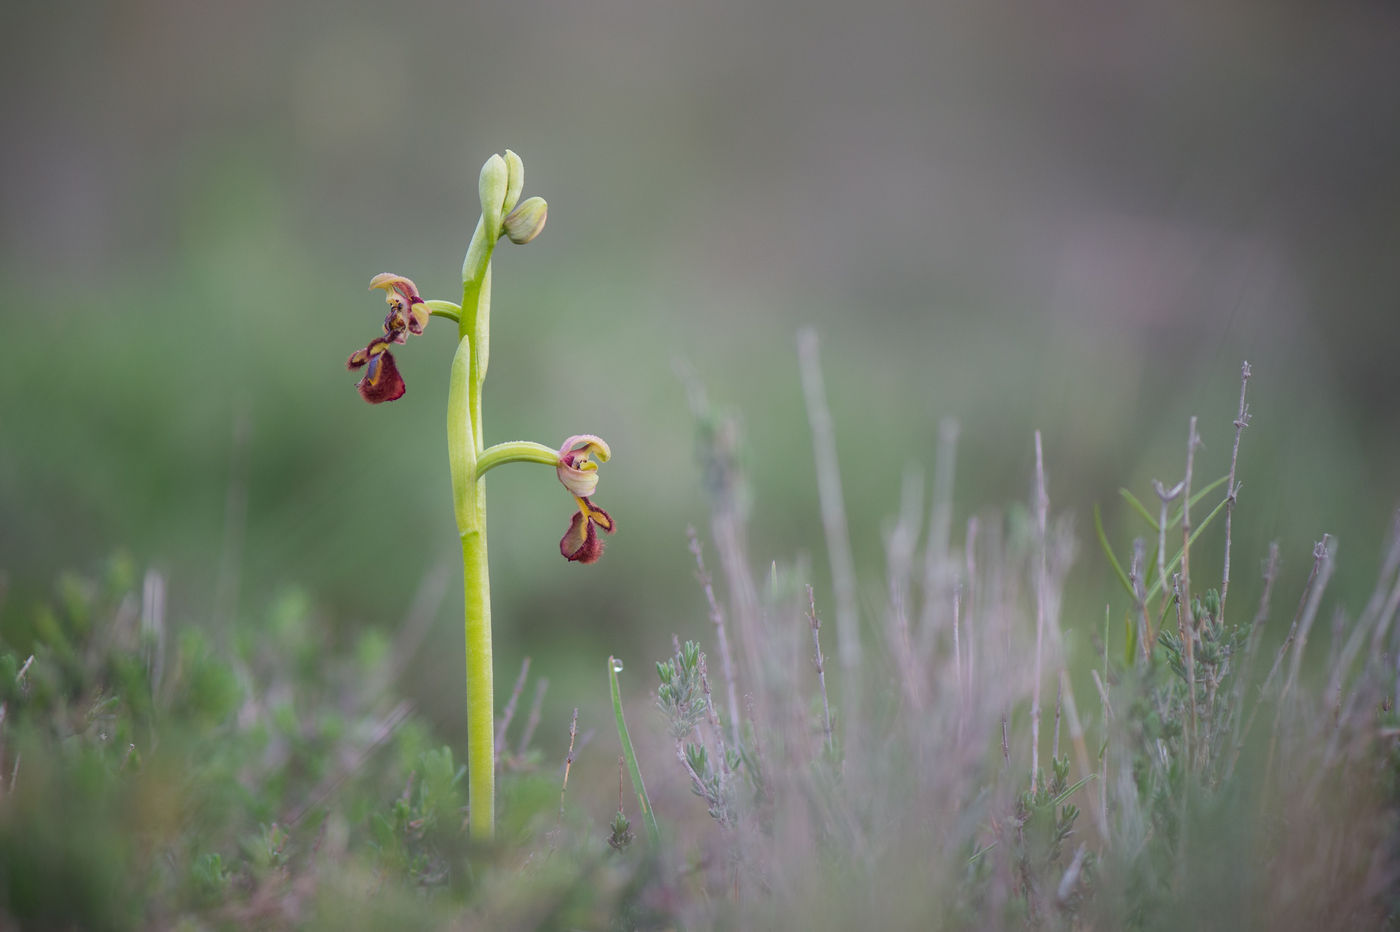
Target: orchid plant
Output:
{"points": [[575, 461]]}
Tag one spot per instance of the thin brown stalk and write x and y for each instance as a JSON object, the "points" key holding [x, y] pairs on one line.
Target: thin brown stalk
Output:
{"points": [[821, 668], [1165, 496], [1232, 488], [938, 569], [713, 719], [569, 761], [1319, 551], [1081, 748], [1256, 632], [969, 600], [1322, 559], [833, 509], [509, 712], [1042, 584], [726, 659], [381, 733], [1135, 571], [1390, 565], [533, 720], [417, 622], [957, 653], [900, 546], [1193, 440], [1309, 615]]}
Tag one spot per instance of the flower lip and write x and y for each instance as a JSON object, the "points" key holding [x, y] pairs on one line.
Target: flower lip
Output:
{"points": [[381, 381], [581, 543]]}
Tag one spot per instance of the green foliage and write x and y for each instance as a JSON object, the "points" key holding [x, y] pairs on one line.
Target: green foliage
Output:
{"points": [[158, 773], [153, 776]]}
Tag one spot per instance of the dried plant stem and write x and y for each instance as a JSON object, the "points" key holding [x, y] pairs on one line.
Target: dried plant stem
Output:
{"points": [[1042, 584], [939, 573], [969, 602], [509, 712], [1135, 571], [957, 652], [568, 760], [1184, 610], [1319, 553], [381, 732], [726, 658], [1389, 567], [713, 719], [900, 545], [821, 668], [1081, 749], [1251, 649], [838, 541], [532, 721], [1232, 489], [1322, 556], [1166, 497]]}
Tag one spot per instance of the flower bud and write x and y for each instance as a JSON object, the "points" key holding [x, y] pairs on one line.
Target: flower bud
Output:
{"points": [[526, 221], [515, 181], [492, 185]]}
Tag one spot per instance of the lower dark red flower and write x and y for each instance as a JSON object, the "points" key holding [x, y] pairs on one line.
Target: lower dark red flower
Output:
{"points": [[381, 381], [581, 543]]}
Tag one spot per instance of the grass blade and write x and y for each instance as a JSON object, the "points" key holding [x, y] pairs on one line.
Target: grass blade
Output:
{"points": [[1108, 552], [1172, 564], [1139, 507], [643, 801]]}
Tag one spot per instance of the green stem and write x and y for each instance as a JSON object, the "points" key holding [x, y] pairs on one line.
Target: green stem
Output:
{"points": [[469, 502], [444, 309], [465, 448], [515, 451], [643, 801]]}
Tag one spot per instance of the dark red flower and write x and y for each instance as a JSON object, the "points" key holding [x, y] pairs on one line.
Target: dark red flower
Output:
{"points": [[581, 543], [407, 314], [381, 381]]}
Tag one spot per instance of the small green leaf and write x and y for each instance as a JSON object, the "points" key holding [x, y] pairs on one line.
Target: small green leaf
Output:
{"points": [[1108, 552], [1139, 507]]}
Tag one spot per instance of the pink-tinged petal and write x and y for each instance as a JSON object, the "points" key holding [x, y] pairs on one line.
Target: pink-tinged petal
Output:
{"points": [[581, 481], [407, 312], [382, 381], [576, 470], [389, 281], [587, 444], [418, 315]]}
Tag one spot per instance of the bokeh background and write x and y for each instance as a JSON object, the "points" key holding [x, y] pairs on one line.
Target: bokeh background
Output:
{"points": [[1075, 217]]}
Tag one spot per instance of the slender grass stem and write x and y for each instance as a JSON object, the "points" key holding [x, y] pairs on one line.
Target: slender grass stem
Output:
{"points": [[643, 801], [1232, 491]]}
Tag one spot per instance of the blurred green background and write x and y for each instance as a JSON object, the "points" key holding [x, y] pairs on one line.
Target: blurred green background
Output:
{"points": [[1078, 218]]}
